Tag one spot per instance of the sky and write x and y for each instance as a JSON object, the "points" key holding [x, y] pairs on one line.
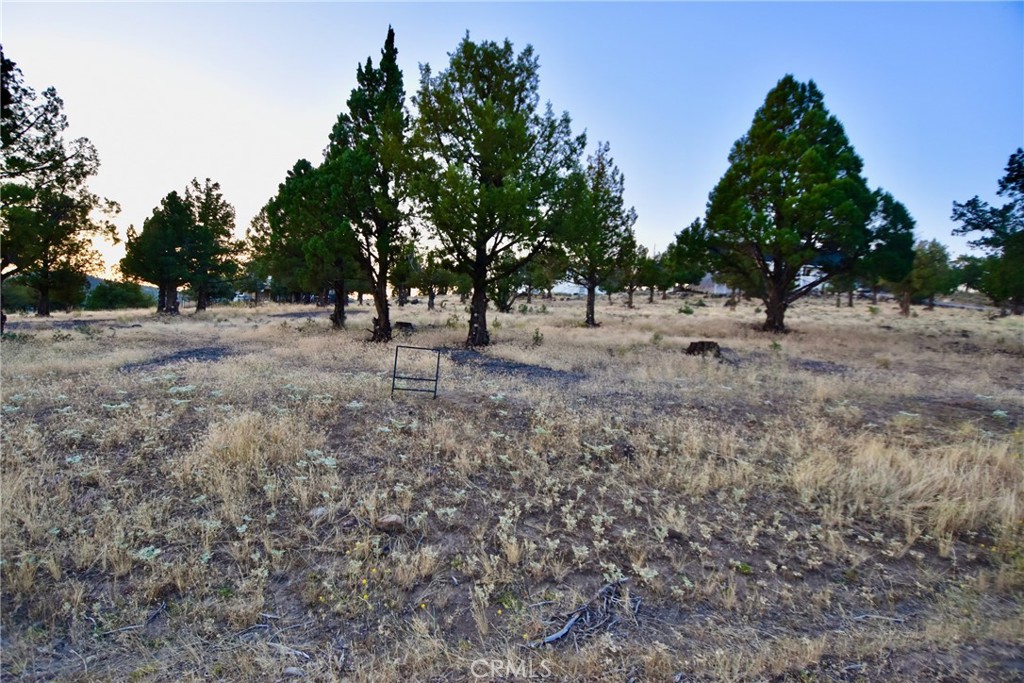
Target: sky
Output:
{"points": [[931, 95]]}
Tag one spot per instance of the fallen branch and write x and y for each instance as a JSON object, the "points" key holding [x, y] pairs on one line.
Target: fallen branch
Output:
{"points": [[575, 615]]}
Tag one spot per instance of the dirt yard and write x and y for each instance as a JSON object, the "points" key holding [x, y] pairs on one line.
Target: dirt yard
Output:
{"points": [[236, 496]]}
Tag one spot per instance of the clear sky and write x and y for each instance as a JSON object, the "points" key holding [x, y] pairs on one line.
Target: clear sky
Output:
{"points": [[931, 94]]}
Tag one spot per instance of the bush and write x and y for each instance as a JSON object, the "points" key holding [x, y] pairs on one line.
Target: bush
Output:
{"points": [[113, 295], [18, 297]]}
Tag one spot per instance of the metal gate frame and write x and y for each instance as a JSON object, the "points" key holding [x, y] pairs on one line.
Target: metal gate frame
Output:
{"points": [[435, 379]]}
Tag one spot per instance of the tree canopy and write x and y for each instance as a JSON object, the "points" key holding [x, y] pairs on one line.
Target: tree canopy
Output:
{"points": [[792, 197], [368, 163], [491, 164], [597, 229], [48, 216], [1000, 234], [188, 239]]}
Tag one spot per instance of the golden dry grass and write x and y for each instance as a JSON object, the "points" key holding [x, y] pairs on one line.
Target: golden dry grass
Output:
{"points": [[199, 498]]}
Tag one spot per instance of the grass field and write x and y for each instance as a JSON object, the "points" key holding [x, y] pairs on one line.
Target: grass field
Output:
{"points": [[236, 496]]}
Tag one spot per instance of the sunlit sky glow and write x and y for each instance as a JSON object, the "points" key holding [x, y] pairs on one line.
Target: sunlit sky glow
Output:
{"points": [[931, 94]]}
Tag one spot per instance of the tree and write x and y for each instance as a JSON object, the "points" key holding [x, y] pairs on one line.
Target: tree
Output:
{"points": [[596, 227], [310, 243], [48, 216], [504, 291], [1001, 275], [931, 274], [629, 274], [793, 196], [890, 255], [157, 254], [369, 160], [209, 248], [433, 277], [686, 260], [545, 271], [255, 267], [491, 164]]}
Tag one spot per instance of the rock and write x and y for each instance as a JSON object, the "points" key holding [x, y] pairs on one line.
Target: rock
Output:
{"points": [[390, 523], [294, 672], [704, 348]]}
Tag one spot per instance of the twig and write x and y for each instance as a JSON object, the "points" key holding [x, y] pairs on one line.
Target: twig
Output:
{"points": [[863, 617], [122, 629], [153, 615], [288, 651], [269, 616], [557, 634], [85, 664], [254, 627], [576, 614]]}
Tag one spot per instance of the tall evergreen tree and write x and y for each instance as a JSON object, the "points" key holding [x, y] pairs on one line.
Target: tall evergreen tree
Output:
{"points": [[1000, 273], [597, 228], [931, 274], [157, 255], [48, 216], [793, 196], [890, 257], [369, 161], [310, 236], [491, 164], [210, 249]]}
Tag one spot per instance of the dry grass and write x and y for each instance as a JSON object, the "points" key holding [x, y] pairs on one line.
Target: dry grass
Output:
{"points": [[199, 498]]}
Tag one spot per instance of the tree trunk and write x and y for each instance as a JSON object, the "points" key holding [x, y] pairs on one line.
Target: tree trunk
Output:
{"points": [[874, 296], [775, 311], [591, 320], [478, 334], [359, 300], [650, 296], [43, 309], [382, 323], [839, 299], [338, 315], [664, 295], [849, 299], [905, 304], [931, 303], [172, 299], [629, 298], [431, 295], [202, 299]]}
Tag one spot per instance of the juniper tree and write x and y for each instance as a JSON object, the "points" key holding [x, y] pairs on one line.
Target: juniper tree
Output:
{"points": [[793, 196], [368, 163], [491, 164]]}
